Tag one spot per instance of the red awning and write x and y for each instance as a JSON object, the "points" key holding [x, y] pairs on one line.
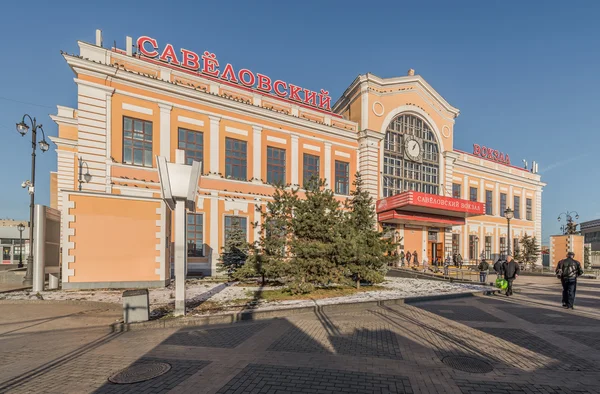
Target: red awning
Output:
{"points": [[426, 208]]}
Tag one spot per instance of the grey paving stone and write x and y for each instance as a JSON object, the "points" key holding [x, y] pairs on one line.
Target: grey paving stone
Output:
{"points": [[459, 312], [473, 387], [562, 360], [317, 380], [548, 316], [226, 337]]}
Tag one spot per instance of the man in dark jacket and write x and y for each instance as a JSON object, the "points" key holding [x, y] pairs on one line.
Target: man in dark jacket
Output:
{"points": [[498, 268], [511, 271], [483, 267], [568, 270]]}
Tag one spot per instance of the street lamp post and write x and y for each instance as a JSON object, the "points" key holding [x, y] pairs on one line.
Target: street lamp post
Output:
{"points": [[87, 177], [571, 227], [21, 228], [476, 248], [508, 214], [44, 146]]}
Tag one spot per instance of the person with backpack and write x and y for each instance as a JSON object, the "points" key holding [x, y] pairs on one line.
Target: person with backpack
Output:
{"points": [[511, 270], [567, 271], [483, 267]]}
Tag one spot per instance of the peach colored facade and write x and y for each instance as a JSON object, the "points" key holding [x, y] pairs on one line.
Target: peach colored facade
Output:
{"points": [[116, 230], [560, 245]]}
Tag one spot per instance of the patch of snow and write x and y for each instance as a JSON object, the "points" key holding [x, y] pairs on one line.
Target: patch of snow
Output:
{"points": [[224, 293]]}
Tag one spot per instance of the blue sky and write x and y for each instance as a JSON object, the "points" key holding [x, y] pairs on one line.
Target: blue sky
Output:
{"points": [[525, 77]]}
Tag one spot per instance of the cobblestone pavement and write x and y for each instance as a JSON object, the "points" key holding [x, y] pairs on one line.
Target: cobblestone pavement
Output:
{"points": [[494, 344]]}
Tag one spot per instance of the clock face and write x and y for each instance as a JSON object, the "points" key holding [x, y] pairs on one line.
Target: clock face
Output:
{"points": [[413, 149]]}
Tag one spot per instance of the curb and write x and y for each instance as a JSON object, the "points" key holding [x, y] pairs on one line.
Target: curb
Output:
{"points": [[249, 315], [15, 289]]}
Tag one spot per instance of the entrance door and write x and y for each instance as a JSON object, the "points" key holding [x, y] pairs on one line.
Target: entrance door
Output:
{"points": [[436, 249]]}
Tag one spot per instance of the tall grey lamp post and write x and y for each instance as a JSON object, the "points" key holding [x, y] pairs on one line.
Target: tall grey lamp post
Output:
{"points": [[508, 214], [22, 128]]}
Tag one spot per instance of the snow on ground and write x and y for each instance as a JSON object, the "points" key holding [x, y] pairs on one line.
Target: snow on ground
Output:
{"points": [[198, 291]]}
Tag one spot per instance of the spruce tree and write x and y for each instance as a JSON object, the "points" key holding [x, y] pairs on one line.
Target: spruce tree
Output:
{"points": [[366, 253], [530, 249], [272, 257], [316, 227], [235, 251]]}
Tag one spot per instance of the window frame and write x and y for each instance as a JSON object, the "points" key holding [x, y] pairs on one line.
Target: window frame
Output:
{"points": [[488, 246], [345, 178], [502, 246], [275, 168], [194, 214], [503, 201], [243, 161], [471, 189], [489, 202], [528, 209], [455, 244], [305, 172], [517, 207], [472, 247], [455, 187], [190, 158], [131, 141]]}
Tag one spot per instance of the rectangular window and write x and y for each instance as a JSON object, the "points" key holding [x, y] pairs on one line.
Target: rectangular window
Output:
{"points": [[456, 187], [473, 194], [529, 209], [342, 177], [192, 142], [275, 166], [235, 221], [488, 247], [472, 247], [489, 201], [455, 244], [235, 159], [137, 142], [310, 168], [503, 246], [502, 203], [195, 235], [517, 203]]}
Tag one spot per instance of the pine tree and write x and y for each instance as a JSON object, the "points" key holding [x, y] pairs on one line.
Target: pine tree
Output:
{"points": [[235, 251], [316, 228], [272, 259], [530, 249], [587, 257], [364, 250]]}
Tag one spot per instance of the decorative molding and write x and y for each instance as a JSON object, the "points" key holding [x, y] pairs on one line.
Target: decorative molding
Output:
{"points": [[137, 108], [278, 140], [185, 119], [342, 154], [235, 130], [381, 110], [311, 147]]}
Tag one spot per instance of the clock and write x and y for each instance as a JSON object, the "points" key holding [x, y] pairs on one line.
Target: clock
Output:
{"points": [[412, 148]]}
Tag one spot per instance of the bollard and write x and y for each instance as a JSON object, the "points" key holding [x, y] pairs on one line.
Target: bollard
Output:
{"points": [[136, 306]]}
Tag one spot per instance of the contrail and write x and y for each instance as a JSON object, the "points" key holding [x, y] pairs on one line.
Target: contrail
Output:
{"points": [[562, 163]]}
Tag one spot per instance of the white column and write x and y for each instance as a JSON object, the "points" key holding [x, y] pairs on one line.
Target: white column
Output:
{"points": [[364, 107], [214, 144], [108, 142], [537, 211], [295, 160], [165, 130], [180, 258], [328, 179], [496, 199], [214, 232], [481, 191], [466, 195], [256, 153]]}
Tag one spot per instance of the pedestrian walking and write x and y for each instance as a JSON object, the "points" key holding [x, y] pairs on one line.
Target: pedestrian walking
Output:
{"points": [[402, 256], [511, 271], [498, 269], [568, 270], [455, 259], [425, 262], [447, 266], [484, 268], [416, 258], [408, 257], [459, 260]]}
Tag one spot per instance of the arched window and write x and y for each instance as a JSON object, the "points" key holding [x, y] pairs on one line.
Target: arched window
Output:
{"points": [[410, 157]]}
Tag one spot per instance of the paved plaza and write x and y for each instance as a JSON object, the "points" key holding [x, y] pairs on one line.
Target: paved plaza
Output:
{"points": [[481, 344]]}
